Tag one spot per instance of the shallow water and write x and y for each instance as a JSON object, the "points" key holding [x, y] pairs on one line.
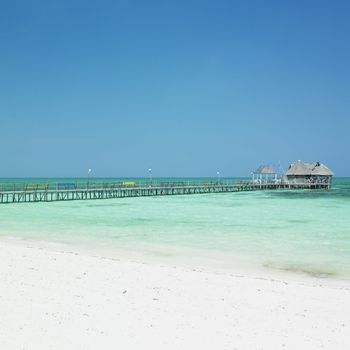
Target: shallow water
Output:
{"points": [[301, 231]]}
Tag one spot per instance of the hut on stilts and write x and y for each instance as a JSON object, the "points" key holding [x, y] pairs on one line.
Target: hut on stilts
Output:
{"points": [[308, 173]]}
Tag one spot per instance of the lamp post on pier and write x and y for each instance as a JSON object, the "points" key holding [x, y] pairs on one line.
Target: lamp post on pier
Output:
{"points": [[150, 176], [218, 174], [88, 177]]}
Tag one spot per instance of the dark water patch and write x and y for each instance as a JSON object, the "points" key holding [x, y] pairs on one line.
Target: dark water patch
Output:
{"points": [[80, 205], [311, 271], [302, 194], [299, 221], [185, 222], [71, 206], [105, 205]]}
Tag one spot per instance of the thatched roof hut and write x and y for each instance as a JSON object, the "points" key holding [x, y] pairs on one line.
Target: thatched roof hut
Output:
{"points": [[264, 169], [264, 174], [308, 172], [300, 168]]}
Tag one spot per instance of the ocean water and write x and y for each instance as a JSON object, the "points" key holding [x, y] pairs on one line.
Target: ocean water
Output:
{"points": [[304, 231]]}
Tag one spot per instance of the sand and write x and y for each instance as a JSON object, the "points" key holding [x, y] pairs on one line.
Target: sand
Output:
{"points": [[55, 298]]}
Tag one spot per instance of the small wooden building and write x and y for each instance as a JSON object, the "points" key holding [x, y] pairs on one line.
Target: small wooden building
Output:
{"points": [[308, 173]]}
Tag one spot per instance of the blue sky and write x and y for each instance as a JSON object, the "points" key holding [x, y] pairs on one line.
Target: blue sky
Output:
{"points": [[184, 87]]}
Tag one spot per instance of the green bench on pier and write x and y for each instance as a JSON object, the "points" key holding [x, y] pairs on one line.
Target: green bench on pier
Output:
{"points": [[36, 187]]}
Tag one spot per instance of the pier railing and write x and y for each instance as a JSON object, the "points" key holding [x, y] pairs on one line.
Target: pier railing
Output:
{"points": [[59, 191], [91, 185]]}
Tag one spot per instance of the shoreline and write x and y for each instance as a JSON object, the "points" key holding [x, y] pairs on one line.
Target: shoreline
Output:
{"points": [[180, 257], [55, 297]]}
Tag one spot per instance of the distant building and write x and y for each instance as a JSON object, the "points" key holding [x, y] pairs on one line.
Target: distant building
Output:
{"points": [[264, 174], [308, 173]]}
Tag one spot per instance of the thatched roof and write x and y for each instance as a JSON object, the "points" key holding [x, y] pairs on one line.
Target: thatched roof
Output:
{"points": [[303, 168], [264, 169]]}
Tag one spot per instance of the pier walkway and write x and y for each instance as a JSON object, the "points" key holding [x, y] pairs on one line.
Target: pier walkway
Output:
{"points": [[49, 192]]}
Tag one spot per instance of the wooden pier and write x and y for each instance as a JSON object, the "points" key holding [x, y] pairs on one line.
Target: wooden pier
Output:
{"points": [[49, 192]]}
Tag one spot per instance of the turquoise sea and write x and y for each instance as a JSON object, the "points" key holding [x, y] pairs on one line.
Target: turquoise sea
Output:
{"points": [[300, 231]]}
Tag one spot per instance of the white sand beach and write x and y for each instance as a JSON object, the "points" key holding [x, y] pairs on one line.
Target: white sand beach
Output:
{"points": [[61, 299]]}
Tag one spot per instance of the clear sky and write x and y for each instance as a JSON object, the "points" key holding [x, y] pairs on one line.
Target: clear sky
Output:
{"points": [[185, 87]]}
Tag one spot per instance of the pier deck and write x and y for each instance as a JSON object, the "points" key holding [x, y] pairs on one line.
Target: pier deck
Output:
{"points": [[49, 192]]}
